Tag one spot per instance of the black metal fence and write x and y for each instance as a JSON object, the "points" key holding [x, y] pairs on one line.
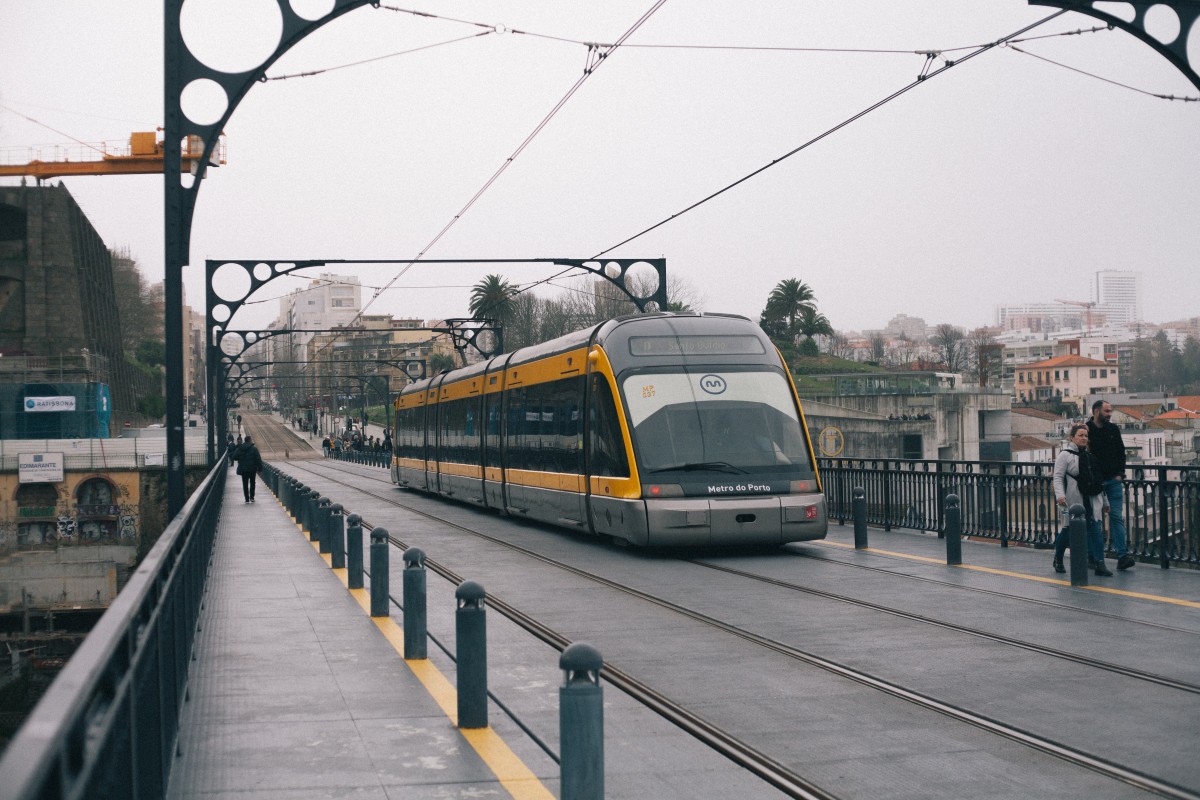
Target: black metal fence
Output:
{"points": [[1014, 502], [373, 458], [107, 725]]}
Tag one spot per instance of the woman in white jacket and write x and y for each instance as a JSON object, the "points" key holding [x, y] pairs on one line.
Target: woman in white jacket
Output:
{"points": [[1067, 494]]}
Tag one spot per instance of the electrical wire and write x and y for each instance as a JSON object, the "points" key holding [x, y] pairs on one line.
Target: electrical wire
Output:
{"points": [[47, 127], [924, 77], [1101, 78], [310, 73], [509, 161]]}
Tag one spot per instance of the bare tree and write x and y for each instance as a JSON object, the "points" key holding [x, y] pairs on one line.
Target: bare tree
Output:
{"points": [[985, 356], [948, 344], [878, 347]]}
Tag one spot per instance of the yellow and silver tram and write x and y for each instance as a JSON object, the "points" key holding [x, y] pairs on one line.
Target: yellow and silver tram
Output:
{"points": [[660, 430]]}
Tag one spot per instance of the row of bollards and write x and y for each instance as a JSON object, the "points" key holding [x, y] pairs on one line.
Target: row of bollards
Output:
{"points": [[952, 514], [581, 706]]}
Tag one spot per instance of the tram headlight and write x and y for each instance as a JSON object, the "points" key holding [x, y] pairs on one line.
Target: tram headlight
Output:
{"points": [[801, 487], [654, 490]]}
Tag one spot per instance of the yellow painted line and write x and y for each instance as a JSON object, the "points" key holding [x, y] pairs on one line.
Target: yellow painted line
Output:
{"points": [[518, 779], [1025, 576]]}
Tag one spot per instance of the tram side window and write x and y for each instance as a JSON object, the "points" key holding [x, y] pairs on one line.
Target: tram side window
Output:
{"points": [[607, 447], [409, 438], [516, 430], [562, 435], [491, 411], [543, 430], [459, 435]]}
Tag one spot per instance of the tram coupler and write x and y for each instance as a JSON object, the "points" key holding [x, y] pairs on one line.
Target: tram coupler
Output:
{"points": [[470, 629], [953, 516], [581, 723], [337, 537], [1077, 541], [415, 629], [379, 572], [860, 518], [354, 552]]}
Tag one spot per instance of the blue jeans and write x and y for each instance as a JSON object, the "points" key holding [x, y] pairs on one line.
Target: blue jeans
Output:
{"points": [[1095, 541], [1114, 490]]}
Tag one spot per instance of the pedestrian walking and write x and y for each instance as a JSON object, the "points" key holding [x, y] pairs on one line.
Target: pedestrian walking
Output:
{"points": [[1106, 445], [249, 465], [1076, 477], [325, 445]]}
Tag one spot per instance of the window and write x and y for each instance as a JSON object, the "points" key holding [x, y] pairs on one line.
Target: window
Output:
{"points": [[1066, 374], [1093, 373], [1103, 373], [1057, 375], [606, 445], [1021, 377]]}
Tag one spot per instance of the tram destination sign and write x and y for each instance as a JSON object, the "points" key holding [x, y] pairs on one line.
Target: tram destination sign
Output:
{"points": [[40, 468], [695, 346], [35, 404]]}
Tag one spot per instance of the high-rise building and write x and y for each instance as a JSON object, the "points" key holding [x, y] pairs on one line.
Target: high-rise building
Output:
{"points": [[1119, 295]]}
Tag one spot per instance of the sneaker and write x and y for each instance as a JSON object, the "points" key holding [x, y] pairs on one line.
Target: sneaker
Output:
{"points": [[1102, 570], [1126, 561], [1093, 563], [1058, 566]]}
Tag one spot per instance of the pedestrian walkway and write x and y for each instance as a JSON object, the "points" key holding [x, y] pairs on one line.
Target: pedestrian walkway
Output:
{"points": [[297, 692]]}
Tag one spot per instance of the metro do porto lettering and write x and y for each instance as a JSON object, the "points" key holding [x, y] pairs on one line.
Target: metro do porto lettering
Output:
{"points": [[738, 488]]}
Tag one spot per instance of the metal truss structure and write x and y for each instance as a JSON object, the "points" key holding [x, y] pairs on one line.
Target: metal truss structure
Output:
{"points": [[185, 72]]}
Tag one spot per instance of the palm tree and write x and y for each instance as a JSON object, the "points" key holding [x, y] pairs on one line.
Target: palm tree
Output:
{"points": [[492, 299], [788, 300], [810, 323]]}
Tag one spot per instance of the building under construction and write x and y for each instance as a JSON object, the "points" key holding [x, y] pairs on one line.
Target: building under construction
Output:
{"points": [[59, 324]]}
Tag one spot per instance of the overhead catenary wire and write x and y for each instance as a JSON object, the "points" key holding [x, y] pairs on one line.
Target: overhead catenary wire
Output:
{"points": [[921, 79], [1101, 78], [507, 163]]}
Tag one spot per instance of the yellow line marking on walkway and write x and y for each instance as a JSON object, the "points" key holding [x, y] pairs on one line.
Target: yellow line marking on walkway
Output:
{"points": [[518, 779], [1025, 576]]}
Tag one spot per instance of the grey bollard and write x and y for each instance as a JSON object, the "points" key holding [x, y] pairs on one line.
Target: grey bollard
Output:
{"points": [[581, 723], [470, 629], [354, 552], [321, 522], [310, 514], [379, 572], [337, 537], [860, 518], [301, 505], [953, 531], [1077, 541], [414, 603]]}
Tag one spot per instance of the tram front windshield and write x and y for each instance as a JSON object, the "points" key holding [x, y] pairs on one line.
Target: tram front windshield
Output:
{"points": [[691, 427]]}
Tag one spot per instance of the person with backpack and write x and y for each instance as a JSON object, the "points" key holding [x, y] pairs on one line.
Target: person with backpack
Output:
{"points": [[1077, 481], [250, 464]]}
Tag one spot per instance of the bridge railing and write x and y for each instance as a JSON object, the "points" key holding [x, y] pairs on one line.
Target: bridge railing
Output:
{"points": [[106, 726], [1014, 501]]}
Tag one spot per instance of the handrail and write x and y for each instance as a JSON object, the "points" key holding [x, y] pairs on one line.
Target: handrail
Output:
{"points": [[1014, 501], [106, 726]]}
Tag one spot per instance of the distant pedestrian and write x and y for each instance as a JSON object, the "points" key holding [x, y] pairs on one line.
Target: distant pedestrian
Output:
{"points": [[1073, 460], [325, 445], [1106, 445], [249, 465], [230, 446]]}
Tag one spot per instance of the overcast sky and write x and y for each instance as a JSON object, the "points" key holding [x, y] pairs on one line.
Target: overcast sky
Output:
{"points": [[1006, 179]]}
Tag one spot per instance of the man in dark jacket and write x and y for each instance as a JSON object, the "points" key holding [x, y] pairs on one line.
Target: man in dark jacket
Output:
{"points": [[1105, 443], [249, 462]]}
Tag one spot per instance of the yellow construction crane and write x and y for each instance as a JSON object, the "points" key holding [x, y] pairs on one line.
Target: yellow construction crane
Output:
{"points": [[142, 156], [1086, 305]]}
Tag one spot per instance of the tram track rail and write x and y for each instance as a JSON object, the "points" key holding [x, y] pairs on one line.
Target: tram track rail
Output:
{"points": [[746, 755]]}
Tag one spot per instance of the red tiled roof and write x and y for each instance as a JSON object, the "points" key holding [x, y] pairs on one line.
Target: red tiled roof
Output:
{"points": [[1178, 413], [1036, 413], [1068, 361], [1023, 443], [1189, 401]]}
